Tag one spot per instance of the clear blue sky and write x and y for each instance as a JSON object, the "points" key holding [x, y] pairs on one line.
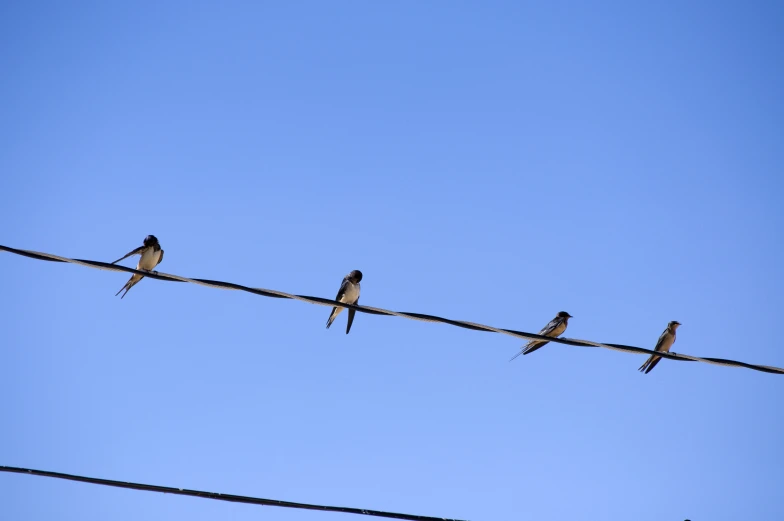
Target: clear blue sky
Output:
{"points": [[489, 161]]}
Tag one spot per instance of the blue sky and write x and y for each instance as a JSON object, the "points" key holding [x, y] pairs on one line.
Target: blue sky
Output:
{"points": [[488, 161]]}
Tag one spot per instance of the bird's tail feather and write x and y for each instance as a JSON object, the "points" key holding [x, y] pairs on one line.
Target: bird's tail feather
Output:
{"points": [[533, 347], [649, 363], [351, 314], [528, 348], [515, 356], [128, 285], [655, 360], [333, 315]]}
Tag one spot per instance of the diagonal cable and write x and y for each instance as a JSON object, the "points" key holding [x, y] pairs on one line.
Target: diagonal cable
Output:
{"points": [[220, 497], [379, 311]]}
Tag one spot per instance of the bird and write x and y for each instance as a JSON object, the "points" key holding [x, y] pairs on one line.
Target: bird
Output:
{"points": [[348, 294], [152, 255], [554, 328], [664, 344]]}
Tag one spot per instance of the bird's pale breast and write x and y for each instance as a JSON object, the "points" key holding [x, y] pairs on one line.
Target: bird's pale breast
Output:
{"points": [[352, 293], [149, 259]]}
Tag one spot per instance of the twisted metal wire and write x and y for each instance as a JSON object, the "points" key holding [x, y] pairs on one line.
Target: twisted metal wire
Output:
{"points": [[380, 311], [220, 497]]}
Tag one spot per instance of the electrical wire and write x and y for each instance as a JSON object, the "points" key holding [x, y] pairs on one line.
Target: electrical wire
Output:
{"points": [[220, 497], [379, 311]]}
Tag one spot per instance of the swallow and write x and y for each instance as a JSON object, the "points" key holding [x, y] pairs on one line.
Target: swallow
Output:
{"points": [[554, 328], [664, 344], [348, 294], [152, 255]]}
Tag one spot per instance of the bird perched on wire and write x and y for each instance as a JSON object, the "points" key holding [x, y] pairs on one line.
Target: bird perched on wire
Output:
{"points": [[554, 328], [348, 294], [152, 255], [664, 344]]}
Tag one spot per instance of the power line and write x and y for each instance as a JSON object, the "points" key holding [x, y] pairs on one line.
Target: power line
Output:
{"points": [[379, 311], [220, 497]]}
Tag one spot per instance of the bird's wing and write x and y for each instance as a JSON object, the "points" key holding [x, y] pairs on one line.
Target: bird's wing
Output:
{"points": [[137, 251], [343, 289], [161, 258], [549, 328], [660, 342], [533, 345], [333, 315]]}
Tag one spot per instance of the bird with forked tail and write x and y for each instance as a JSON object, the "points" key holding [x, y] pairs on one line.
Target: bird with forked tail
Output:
{"points": [[554, 328], [348, 294], [664, 344], [152, 255]]}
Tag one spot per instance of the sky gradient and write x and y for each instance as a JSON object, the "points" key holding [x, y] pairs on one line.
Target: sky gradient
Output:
{"points": [[495, 162]]}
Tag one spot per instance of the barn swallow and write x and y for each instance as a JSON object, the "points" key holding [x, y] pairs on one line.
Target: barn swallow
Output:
{"points": [[664, 343], [554, 328], [348, 294], [152, 255]]}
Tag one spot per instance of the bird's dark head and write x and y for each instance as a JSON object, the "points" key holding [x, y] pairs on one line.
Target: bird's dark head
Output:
{"points": [[150, 240], [564, 314], [673, 325], [355, 276]]}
